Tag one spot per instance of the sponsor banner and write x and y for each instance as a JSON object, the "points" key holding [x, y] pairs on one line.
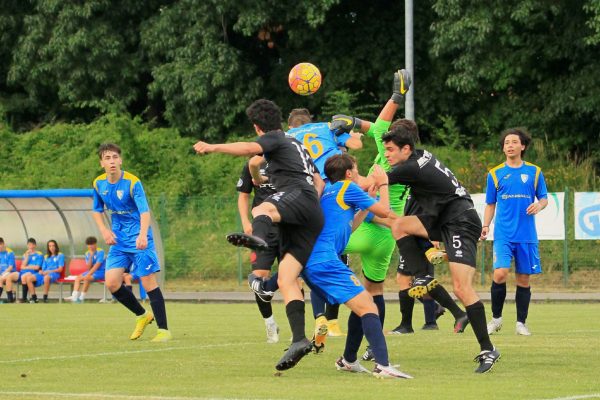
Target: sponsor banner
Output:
{"points": [[587, 215]]}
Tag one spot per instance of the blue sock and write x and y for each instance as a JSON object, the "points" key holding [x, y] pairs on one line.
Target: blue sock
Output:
{"points": [[354, 338], [270, 284], [380, 303], [522, 300], [429, 310], [372, 328], [318, 304]]}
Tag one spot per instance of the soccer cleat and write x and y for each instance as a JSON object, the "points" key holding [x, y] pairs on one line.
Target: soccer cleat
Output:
{"points": [[162, 335], [460, 324], [430, 327], [342, 365], [272, 332], [70, 298], [140, 324], [402, 330], [369, 355], [334, 329], [494, 325], [522, 329], [436, 256], [77, 301], [257, 286], [422, 285], [439, 310], [242, 240], [386, 372], [32, 301], [320, 334], [294, 354], [486, 360]]}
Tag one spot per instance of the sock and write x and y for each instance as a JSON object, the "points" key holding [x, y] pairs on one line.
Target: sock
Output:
{"points": [[476, 313], [441, 295], [157, 302], [407, 305], [498, 295], [25, 290], [318, 304], [1, 290], [270, 285], [295, 313], [130, 287], [45, 297], [34, 296], [354, 337], [429, 310], [75, 294], [373, 330], [380, 303], [332, 311], [261, 225], [412, 253], [11, 296], [266, 310], [522, 300], [125, 297]]}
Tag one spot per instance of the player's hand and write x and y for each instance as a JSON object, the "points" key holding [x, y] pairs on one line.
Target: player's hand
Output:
{"points": [[263, 180], [401, 85], [203, 147], [344, 124], [247, 226], [141, 242], [109, 236], [436, 244], [379, 176], [534, 208], [484, 232]]}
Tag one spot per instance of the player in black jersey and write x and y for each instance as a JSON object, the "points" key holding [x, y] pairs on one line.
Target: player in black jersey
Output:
{"points": [[295, 207], [447, 207]]}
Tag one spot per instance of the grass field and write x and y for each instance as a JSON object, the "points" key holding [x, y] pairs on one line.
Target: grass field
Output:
{"points": [[66, 351]]}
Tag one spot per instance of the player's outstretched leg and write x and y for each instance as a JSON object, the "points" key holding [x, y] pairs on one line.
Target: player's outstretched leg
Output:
{"points": [[241, 239]]}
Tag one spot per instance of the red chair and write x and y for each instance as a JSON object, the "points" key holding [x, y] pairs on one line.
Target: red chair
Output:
{"points": [[77, 266], [18, 261]]}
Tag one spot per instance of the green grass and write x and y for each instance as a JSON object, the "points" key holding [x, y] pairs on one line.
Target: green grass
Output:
{"points": [[58, 351]]}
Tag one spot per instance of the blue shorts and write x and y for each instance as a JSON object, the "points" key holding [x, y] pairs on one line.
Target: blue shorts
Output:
{"points": [[526, 256], [332, 280], [138, 262], [25, 272], [39, 278], [98, 275]]}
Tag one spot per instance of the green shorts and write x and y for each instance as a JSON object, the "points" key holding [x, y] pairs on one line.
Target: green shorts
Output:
{"points": [[375, 245]]}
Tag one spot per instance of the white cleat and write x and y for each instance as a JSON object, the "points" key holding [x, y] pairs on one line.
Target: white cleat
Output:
{"points": [[342, 365], [388, 372], [494, 325], [272, 333], [522, 329]]}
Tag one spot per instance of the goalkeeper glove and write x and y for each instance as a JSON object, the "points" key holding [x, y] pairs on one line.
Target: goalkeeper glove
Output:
{"points": [[401, 85], [343, 124]]}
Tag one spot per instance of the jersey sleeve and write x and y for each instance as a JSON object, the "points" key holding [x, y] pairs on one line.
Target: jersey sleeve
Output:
{"points": [[541, 192], [268, 142], [45, 264], [490, 190], [99, 256], [61, 260], [356, 197], [11, 260], [380, 128], [98, 204], [244, 184], [342, 139], [139, 197], [403, 174]]}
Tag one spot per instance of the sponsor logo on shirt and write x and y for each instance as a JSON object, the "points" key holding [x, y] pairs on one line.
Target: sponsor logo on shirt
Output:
{"points": [[424, 159], [240, 182], [514, 196]]}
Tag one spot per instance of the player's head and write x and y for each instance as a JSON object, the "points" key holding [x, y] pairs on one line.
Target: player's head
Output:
{"points": [[91, 242], [399, 144], [409, 125], [110, 158], [514, 142], [52, 247], [340, 167], [1, 244], [31, 244], [299, 117], [265, 115]]}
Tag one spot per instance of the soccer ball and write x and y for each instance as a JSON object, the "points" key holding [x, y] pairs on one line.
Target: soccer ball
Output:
{"points": [[304, 79]]}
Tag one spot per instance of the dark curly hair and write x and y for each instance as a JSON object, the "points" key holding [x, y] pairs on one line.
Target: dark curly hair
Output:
{"points": [[265, 114]]}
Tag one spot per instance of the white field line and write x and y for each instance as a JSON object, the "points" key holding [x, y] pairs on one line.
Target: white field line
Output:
{"points": [[583, 396], [115, 396], [117, 353]]}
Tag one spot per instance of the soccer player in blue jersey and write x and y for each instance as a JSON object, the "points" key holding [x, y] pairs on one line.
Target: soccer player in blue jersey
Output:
{"points": [[54, 264], [96, 262], [130, 238], [32, 263], [512, 188], [328, 275], [7, 263]]}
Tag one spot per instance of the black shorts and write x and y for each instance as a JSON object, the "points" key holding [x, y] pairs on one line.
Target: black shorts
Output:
{"points": [[459, 235], [301, 222], [264, 260], [411, 270], [428, 221]]}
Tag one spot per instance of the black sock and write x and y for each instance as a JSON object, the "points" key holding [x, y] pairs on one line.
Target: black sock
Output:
{"points": [[354, 338], [126, 297], [318, 304], [1, 290], [25, 290], [130, 287], [407, 304], [476, 313], [522, 300], [380, 303], [45, 297], [429, 310], [270, 285], [498, 295], [441, 295], [265, 308], [11, 296], [374, 333], [34, 296], [332, 311], [412, 253], [261, 225], [295, 313], [157, 302]]}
